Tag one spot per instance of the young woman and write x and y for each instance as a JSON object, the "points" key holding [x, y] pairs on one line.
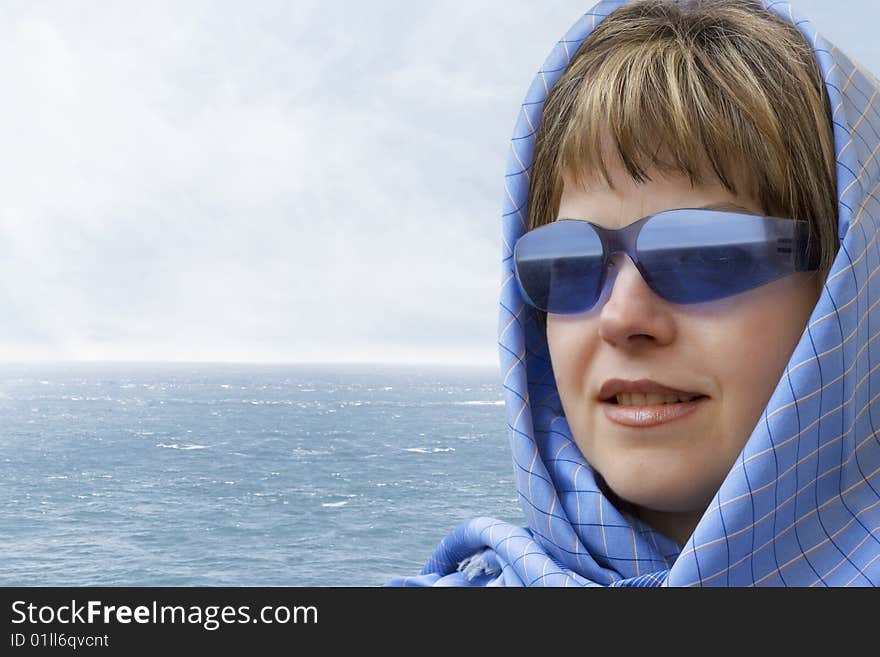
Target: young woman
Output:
{"points": [[689, 328]]}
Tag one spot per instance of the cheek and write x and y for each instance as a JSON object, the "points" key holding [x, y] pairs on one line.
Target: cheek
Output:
{"points": [[572, 344], [751, 347]]}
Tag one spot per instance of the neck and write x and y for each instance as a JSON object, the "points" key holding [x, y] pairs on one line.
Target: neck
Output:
{"points": [[677, 525]]}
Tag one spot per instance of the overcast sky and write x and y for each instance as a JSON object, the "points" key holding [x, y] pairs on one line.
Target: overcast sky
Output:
{"points": [[270, 181]]}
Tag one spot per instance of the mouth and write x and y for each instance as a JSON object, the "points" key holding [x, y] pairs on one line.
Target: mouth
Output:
{"points": [[635, 410]]}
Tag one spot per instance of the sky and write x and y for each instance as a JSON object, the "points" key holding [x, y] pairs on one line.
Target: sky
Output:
{"points": [[270, 182]]}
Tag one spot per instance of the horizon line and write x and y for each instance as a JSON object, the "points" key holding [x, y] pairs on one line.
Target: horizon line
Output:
{"points": [[85, 361]]}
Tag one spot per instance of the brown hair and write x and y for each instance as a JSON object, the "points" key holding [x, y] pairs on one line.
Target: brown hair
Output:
{"points": [[720, 82]]}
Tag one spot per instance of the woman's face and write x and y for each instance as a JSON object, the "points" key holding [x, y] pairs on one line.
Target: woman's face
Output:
{"points": [[734, 351]]}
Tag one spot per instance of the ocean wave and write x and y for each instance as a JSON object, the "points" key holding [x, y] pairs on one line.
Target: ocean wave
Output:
{"points": [[299, 451], [428, 450], [179, 446]]}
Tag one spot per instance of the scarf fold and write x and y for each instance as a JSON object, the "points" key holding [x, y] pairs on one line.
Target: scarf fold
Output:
{"points": [[801, 505]]}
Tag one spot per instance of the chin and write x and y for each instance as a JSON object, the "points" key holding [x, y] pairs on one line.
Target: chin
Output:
{"points": [[659, 493]]}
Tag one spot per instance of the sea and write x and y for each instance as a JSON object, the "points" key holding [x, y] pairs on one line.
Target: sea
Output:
{"points": [[170, 474]]}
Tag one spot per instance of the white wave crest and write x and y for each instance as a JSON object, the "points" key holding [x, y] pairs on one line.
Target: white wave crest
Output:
{"points": [[428, 450]]}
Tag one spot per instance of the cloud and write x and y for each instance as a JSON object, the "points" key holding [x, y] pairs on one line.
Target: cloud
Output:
{"points": [[270, 182]]}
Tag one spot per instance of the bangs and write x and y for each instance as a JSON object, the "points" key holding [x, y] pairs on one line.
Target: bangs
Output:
{"points": [[653, 107]]}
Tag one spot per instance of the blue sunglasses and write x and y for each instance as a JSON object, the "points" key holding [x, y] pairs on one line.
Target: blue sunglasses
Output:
{"points": [[685, 255]]}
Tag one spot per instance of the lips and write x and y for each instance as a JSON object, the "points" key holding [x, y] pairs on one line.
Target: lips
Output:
{"points": [[650, 416], [647, 415]]}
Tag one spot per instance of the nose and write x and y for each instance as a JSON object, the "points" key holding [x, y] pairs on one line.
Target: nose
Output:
{"points": [[631, 312]]}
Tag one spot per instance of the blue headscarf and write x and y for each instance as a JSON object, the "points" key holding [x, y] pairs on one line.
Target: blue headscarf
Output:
{"points": [[801, 505]]}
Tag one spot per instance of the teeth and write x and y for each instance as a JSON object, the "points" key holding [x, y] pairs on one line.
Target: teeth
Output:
{"points": [[650, 399]]}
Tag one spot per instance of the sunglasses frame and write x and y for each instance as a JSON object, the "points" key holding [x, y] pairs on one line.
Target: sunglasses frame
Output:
{"points": [[792, 247]]}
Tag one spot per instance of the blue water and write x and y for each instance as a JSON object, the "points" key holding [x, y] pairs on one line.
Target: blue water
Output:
{"points": [[242, 475]]}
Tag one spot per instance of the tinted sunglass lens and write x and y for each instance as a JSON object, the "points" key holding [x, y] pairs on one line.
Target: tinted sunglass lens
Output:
{"points": [[559, 266], [692, 256]]}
